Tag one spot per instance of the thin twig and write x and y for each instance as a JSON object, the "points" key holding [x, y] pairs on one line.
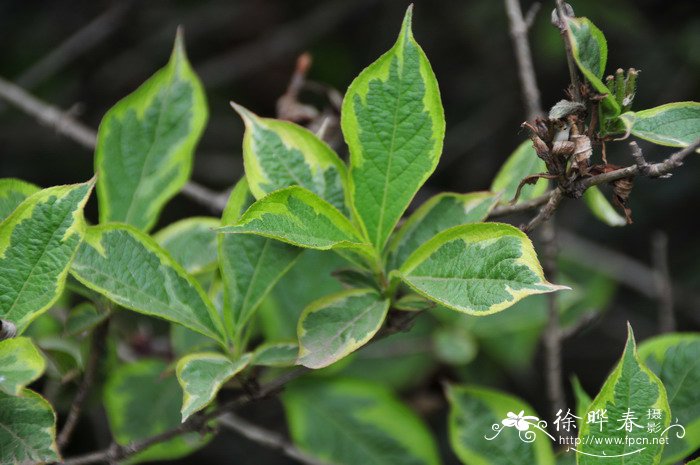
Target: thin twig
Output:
{"points": [[199, 422], [664, 284], [546, 212], [287, 39], [563, 26], [97, 345], [66, 125], [83, 40], [267, 438], [552, 334], [526, 72]]}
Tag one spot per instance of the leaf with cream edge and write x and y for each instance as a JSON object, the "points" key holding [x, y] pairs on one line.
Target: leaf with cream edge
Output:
{"points": [[279, 154], [27, 429], [12, 193], [393, 122], [631, 387], [276, 354], [131, 269], [437, 214], [37, 244], [601, 208], [202, 375], [299, 217], [479, 269], [674, 124], [21, 363], [142, 399], [339, 324], [146, 143], [522, 163], [191, 242], [675, 359], [351, 422], [590, 50], [250, 265], [473, 411]]}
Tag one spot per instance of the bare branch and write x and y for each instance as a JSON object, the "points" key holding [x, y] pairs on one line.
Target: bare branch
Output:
{"points": [[286, 40], [526, 71], [664, 285], [267, 438], [66, 125], [562, 12], [545, 212], [97, 345]]}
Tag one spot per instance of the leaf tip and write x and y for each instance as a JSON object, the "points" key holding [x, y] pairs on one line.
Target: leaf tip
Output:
{"points": [[407, 20], [246, 115]]}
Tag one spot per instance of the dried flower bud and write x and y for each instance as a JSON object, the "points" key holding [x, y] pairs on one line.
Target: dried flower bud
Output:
{"points": [[7, 330]]}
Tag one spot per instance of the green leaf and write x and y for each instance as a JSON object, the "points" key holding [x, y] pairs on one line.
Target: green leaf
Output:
{"points": [[83, 318], [276, 354], [250, 265], [12, 193], [454, 345], [21, 363], [590, 51], [674, 124], [675, 359], [202, 375], [440, 212], [146, 142], [142, 399], [279, 154], [601, 208], [630, 388], [393, 123], [298, 217], [295, 291], [522, 163], [191, 242], [349, 422], [478, 269], [583, 400], [27, 429], [473, 412], [184, 341], [339, 324], [132, 270], [37, 243]]}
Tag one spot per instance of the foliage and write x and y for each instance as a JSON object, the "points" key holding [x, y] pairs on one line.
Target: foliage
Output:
{"points": [[251, 293]]}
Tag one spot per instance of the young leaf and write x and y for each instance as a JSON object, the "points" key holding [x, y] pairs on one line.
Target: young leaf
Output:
{"points": [[20, 364], [478, 269], [298, 217], [630, 389], [141, 400], [279, 154], [202, 375], [440, 212], [83, 318], [37, 243], [349, 422], [146, 143], [590, 51], [276, 354], [12, 193], [132, 270], [601, 208], [191, 242], [339, 324], [674, 124], [675, 359], [583, 400], [473, 411], [393, 122], [27, 429], [522, 163], [250, 265]]}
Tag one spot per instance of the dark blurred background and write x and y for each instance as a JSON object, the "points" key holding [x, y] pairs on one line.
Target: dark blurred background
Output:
{"points": [[246, 51]]}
